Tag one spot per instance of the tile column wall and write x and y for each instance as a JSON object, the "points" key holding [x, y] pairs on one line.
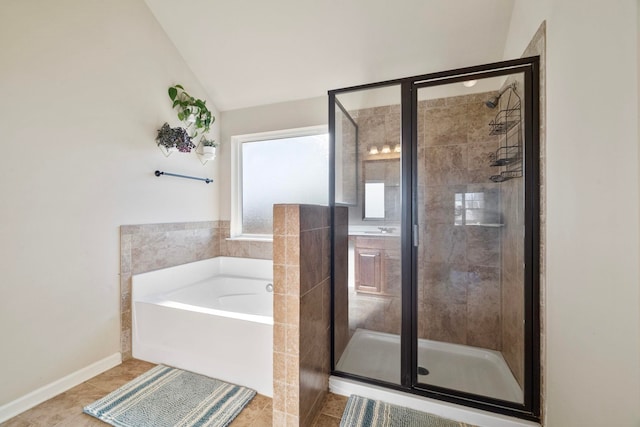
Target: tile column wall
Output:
{"points": [[301, 258]]}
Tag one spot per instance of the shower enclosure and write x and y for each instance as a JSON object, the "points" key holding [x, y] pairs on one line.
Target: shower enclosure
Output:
{"points": [[435, 235]]}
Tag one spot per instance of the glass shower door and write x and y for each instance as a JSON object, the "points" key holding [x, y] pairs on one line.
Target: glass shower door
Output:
{"points": [[470, 277], [435, 203], [367, 224]]}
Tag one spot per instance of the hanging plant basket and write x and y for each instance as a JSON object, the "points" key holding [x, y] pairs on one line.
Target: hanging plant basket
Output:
{"points": [[174, 139]]}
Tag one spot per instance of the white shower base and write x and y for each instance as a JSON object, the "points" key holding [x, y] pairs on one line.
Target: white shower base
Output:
{"points": [[473, 370]]}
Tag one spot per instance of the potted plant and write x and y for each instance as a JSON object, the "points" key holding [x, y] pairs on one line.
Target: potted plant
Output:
{"points": [[208, 148], [192, 111], [174, 139]]}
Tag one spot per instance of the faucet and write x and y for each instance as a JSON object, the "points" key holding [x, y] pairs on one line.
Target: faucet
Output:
{"points": [[384, 230]]}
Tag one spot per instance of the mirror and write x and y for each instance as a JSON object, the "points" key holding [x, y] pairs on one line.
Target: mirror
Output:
{"points": [[382, 189], [374, 200]]}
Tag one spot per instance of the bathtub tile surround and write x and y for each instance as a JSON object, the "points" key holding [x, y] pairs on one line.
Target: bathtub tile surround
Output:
{"points": [[242, 248], [301, 252], [148, 247]]}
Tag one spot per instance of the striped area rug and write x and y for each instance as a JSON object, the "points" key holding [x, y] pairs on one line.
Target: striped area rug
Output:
{"points": [[170, 397], [361, 412]]}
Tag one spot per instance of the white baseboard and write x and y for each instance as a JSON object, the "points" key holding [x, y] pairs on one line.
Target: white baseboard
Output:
{"points": [[50, 390]]}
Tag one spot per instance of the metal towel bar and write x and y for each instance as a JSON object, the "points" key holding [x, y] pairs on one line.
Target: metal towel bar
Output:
{"points": [[207, 180]]}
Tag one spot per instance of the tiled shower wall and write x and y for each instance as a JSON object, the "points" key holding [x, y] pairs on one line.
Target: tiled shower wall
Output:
{"points": [[459, 296], [149, 247], [301, 266], [512, 267], [459, 285]]}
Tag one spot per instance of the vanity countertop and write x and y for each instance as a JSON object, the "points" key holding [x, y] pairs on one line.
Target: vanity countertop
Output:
{"points": [[374, 231]]}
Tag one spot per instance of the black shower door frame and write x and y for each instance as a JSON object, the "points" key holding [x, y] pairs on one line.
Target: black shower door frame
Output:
{"points": [[529, 67]]}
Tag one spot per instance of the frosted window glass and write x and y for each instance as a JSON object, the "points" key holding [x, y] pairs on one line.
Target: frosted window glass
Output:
{"points": [[288, 170]]}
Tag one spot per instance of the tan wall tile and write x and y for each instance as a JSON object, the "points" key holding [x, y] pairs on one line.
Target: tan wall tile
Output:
{"points": [[279, 337], [292, 399], [279, 396], [292, 220], [279, 418], [292, 343], [279, 217], [279, 366], [292, 363], [292, 250], [279, 250], [292, 286], [279, 279]]}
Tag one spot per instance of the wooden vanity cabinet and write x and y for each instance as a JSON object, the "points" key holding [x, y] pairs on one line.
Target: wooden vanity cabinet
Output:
{"points": [[370, 263]]}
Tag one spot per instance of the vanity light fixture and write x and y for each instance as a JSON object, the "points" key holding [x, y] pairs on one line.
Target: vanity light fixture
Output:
{"points": [[385, 149], [469, 83]]}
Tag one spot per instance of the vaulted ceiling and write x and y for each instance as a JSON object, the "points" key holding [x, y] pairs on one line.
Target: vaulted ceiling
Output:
{"points": [[255, 52]]}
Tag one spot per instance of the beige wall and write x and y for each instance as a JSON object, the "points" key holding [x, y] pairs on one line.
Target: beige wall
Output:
{"points": [[592, 340], [84, 86]]}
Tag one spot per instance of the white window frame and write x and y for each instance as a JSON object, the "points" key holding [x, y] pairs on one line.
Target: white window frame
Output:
{"points": [[236, 173]]}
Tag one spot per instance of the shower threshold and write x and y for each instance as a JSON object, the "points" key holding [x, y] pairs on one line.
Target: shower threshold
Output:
{"points": [[469, 369]]}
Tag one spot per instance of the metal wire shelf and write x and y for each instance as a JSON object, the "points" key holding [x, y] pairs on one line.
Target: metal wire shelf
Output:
{"points": [[507, 123]]}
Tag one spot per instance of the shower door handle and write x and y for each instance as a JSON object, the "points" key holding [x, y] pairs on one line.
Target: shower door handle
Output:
{"points": [[415, 235]]}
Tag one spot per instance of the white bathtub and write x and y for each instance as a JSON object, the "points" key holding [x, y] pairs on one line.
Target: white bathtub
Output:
{"points": [[213, 317]]}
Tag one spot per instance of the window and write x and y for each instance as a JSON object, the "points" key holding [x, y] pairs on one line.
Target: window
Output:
{"points": [[276, 167], [469, 208], [478, 208]]}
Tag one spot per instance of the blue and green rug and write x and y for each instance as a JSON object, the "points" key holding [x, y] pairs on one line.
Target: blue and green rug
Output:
{"points": [[170, 397], [361, 412]]}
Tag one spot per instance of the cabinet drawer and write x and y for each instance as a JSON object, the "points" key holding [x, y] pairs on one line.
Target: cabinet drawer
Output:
{"points": [[369, 269]]}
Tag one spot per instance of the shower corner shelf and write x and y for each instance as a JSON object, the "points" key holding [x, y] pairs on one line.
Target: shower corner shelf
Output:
{"points": [[505, 120], [508, 124], [487, 225], [505, 155], [506, 175]]}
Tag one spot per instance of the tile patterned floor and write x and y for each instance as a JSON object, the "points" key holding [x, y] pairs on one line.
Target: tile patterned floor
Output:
{"points": [[65, 410]]}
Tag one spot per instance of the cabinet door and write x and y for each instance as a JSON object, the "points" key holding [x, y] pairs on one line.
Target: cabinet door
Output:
{"points": [[369, 266]]}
